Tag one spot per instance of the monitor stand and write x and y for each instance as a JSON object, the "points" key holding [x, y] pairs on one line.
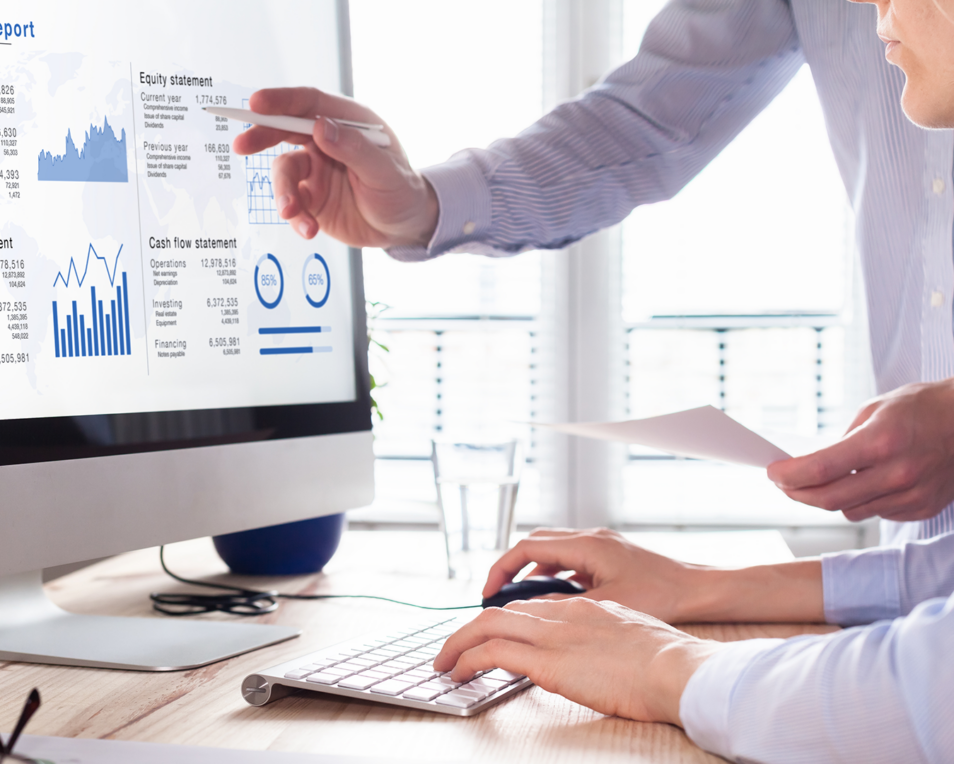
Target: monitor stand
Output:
{"points": [[34, 630]]}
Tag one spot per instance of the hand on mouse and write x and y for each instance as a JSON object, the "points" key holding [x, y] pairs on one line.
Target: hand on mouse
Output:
{"points": [[607, 565], [612, 568], [341, 183], [600, 654]]}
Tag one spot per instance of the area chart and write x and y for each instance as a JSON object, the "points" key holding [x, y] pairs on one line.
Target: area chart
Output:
{"points": [[101, 160]]}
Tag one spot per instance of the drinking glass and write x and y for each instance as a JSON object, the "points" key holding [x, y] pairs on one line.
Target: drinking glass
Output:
{"points": [[476, 491]]}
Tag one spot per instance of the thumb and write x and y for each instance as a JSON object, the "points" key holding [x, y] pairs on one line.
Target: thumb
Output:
{"points": [[374, 166]]}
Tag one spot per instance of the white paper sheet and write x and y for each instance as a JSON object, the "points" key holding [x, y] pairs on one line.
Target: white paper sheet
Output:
{"points": [[702, 433], [63, 750]]}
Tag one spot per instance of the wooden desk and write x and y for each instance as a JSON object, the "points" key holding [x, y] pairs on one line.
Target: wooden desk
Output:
{"points": [[205, 707]]}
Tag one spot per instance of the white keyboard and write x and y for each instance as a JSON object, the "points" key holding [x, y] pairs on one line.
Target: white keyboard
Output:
{"points": [[395, 668]]}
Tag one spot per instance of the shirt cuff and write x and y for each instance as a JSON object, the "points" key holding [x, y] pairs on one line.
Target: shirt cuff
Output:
{"points": [[706, 701], [862, 586], [463, 197]]}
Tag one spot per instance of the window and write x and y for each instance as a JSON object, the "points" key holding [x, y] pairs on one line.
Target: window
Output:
{"points": [[722, 295], [460, 330]]}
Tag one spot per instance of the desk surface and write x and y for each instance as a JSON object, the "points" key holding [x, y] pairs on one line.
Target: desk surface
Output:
{"points": [[204, 706]]}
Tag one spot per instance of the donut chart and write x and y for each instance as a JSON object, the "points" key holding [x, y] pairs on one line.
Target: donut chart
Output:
{"points": [[269, 281], [316, 280]]}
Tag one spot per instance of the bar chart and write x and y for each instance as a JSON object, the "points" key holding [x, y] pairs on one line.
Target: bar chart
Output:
{"points": [[104, 330]]}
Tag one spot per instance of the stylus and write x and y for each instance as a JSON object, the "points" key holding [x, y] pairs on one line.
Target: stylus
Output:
{"points": [[302, 125]]}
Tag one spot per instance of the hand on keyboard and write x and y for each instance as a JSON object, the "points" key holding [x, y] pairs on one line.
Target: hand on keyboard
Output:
{"points": [[600, 654], [608, 566]]}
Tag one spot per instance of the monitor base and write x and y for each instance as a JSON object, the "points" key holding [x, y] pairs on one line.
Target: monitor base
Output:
{"points": [[34, 630]]}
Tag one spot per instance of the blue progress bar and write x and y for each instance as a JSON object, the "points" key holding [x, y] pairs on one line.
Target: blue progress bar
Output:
{"points": [[285, 351], [294, 329], [293, 351]]}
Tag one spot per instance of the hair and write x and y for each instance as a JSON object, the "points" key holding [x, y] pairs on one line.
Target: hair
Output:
{"points": [[945, 12]]}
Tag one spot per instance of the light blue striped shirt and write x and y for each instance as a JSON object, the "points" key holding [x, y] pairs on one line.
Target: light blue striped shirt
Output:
{"points": [[706, 68], [882, 692]]}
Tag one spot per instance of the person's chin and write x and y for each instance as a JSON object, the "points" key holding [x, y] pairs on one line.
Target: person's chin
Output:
{"points": [[925, 107]]}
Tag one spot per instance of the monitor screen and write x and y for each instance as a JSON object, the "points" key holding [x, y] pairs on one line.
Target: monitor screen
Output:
{"points": [[150, 295]]}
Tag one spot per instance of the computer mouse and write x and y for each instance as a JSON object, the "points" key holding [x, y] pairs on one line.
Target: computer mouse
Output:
{"points": [[531, 586]]}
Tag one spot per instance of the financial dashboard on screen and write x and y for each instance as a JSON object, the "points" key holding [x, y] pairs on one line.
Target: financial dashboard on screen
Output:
{"points": [[143, 264]]}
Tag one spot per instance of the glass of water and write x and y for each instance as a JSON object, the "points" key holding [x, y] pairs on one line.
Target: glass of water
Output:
{"points": [[476, 489]]}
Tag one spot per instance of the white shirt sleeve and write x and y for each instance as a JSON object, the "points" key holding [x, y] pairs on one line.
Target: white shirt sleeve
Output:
{"points": [[877, 693], [881, 692]]}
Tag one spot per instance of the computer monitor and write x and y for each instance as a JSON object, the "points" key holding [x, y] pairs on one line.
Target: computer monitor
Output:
{"points": [[175, 362]]}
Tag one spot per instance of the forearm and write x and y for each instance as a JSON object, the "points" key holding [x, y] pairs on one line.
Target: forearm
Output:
{"points": [[786, 592], [704, 71]]}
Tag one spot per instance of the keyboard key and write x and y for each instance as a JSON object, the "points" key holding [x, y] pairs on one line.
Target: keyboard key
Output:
{"points": [[297, 674], [419, 655], [480, 691], [404, 645], [392, 687], [422, 674], [364, 661], [491, 684], [420, 693], [445, 681], [503, 676], [338, 671], [432, 685], [350, 666], [394, 667], [360, 681], [322, 678], [457, 699]]}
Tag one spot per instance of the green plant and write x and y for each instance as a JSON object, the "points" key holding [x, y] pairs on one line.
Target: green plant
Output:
{"points": [[374, 311]]}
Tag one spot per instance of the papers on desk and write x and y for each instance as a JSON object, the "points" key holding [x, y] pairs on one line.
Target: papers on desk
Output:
{"points": [[702, 433], [65, 750]]}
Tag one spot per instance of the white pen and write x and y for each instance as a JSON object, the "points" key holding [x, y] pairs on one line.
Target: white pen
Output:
{"points": [[302, 125]]}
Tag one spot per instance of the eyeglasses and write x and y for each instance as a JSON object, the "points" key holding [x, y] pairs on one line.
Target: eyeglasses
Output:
{"points": [[29, 708]]}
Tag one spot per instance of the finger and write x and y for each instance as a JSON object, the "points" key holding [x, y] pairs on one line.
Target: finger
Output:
{"points": [[824, 466], [583, 579], [863, 487], [374, 166], [289, 171], [553, 532], [258, 138], [310, 102], [902, 506], [543, 570], [494, 623], [555, 553], [518, 657]]}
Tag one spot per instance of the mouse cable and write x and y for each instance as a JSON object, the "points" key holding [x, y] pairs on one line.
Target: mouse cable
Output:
{"points": [[241, 601]]}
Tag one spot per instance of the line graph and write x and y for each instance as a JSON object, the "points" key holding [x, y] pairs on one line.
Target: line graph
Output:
{"points": [[89, 252], [258, 183]]}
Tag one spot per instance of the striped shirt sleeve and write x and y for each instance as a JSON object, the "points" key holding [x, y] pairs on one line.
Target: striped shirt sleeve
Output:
{"points": [[705, 69], [866, 585]]}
